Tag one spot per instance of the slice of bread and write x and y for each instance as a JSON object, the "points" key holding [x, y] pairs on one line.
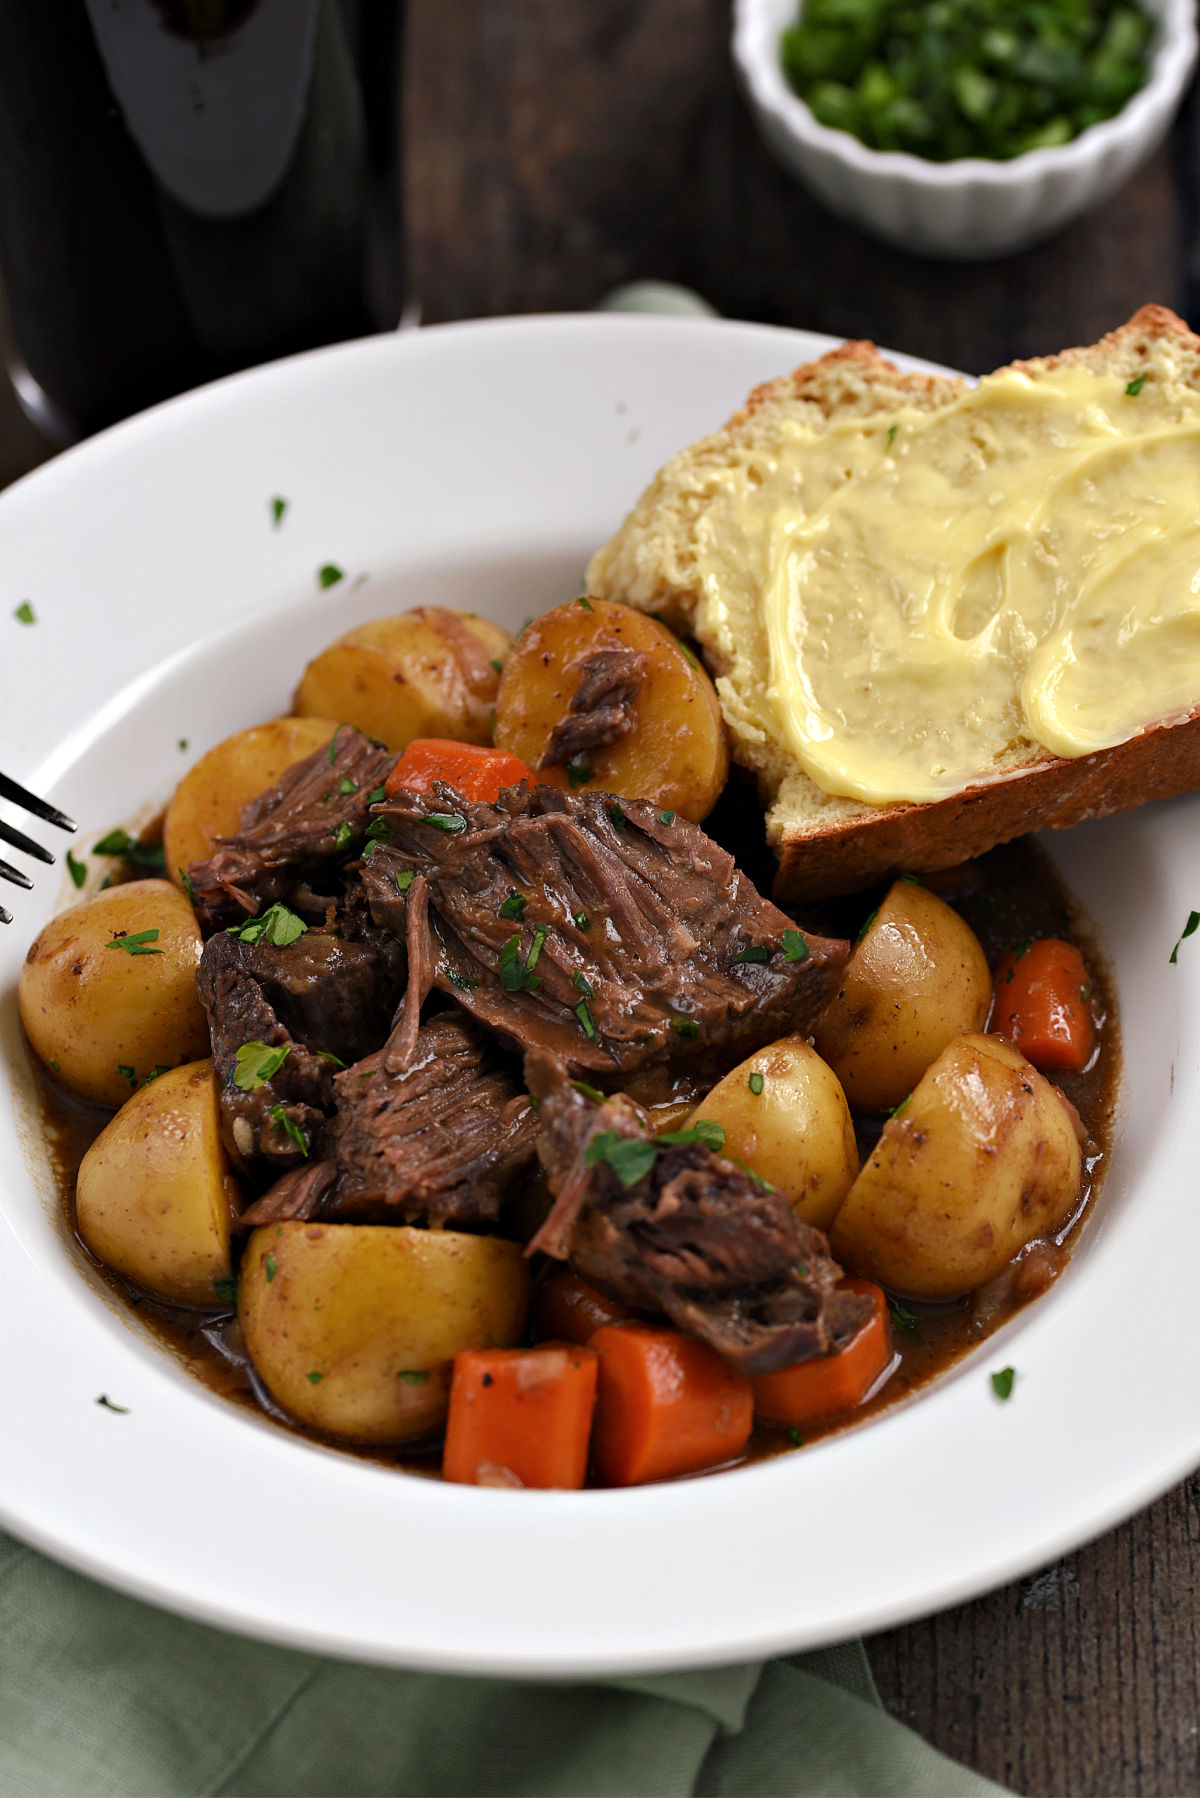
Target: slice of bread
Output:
{"points": [[826, 843]]}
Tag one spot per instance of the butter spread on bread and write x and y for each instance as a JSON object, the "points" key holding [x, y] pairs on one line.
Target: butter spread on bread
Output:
{"points": [[912, 590]]}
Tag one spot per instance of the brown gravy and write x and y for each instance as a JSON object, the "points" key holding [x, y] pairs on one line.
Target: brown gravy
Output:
{"points": [[1009, 896]]}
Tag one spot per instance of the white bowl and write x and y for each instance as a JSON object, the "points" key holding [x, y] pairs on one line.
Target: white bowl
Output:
{"points": [[971, 208]]}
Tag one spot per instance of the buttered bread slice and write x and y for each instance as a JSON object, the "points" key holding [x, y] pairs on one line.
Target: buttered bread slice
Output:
{"points": [[941, 615]]}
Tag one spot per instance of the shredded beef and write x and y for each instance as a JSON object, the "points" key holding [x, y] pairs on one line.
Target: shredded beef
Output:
{"points": [[297, 831], [697, 1237], [441, 1143], [602, 930], [601, 708]]}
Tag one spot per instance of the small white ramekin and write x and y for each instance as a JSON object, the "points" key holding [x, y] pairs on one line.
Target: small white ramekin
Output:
{"points": [[970, 208]]}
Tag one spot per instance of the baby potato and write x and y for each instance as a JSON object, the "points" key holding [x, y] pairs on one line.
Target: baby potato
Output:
{"points": [[675, 752], [785, 1115], [431, 672], [155, 1199], [208, 801], [354, 1327], [981, 1159], [105, 1016], [917, 978]]}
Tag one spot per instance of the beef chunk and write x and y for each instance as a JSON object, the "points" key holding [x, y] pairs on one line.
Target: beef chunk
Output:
{"points": [[313, 819], [684, 1231], [601, 930], [439, 1143], [601, 708]]}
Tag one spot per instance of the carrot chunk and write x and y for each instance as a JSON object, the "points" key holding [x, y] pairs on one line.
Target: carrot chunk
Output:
{"points": [[566, 1309], [474, 772], [520, 1417], [820, 1388], [1043, 994], [665, 1406]]}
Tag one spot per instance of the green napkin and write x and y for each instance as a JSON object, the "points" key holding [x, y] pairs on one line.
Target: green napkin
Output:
{"points": [[102, 1696]]}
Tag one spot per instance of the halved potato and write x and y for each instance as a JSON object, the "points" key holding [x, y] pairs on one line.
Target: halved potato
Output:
{"points": [[675, 752], [917, 978], [431, 672], [103, 1016], [981, 1158], [353, 1327], [155, 1199], [208, 801], [792, 1126]]}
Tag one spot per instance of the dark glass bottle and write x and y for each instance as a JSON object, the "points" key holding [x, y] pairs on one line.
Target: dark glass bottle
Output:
{"points": [[188, 187]]}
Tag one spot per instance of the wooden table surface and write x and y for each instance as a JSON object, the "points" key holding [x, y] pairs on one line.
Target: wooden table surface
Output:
{"points": [[554, 151]]}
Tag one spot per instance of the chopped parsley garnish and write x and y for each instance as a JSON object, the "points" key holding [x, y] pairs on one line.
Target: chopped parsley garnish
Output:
{"points": [[183, 745], [705, 1131], [752, 952], [895, 1110], [255, 1063], [583, 984], [581, 920], [135, 942], [414, 1376], [1002, 1382], [24, 613], [461, 981], [226, 1289], [106, 1402], [629, 1158], [405, 879], [1189, 929], [589, 1092], [76, 869], [497, 664], [344, 835], [185, 881], [514, 906], [278, 507], [903, 1318], [866, 924], [795, 1438], [891, 436], [756, 1083], [347, 784], [795, 948], [314, 1379], [272, 1267], [333, 741], [156, 1073], [143, 855], [617, 815], [377, 795], [517, 976], [117, 842], [277, 926], [450, 822], [128, 1075], [579, 772], [333, 1060], [1135, 386], [290, 1128], [667, 818], [583, 601], [379, 831], [689, 658], [329, 574], [583, 1015], [685, 1026]]}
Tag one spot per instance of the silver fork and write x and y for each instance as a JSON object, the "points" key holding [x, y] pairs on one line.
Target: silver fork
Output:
{"points": [[29, 802]]}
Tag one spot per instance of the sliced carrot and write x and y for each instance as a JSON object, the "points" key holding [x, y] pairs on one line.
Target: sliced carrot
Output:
{"points": [[821, 1388], [566, 1309], [520, 1417], [665, 1405], [474, 772], [1043, 994]]}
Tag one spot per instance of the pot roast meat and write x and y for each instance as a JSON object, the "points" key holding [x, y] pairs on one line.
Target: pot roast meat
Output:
{"points": [[695, 1236], [604, 931], [439, 1143], [601, 708], [314, 818]]}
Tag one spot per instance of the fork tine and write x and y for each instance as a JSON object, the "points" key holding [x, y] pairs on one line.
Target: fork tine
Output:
{"points": [[29, 802], [16, 839], [8, 872]]}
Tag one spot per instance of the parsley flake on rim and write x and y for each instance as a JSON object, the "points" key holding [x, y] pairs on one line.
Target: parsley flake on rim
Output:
{"points": [[329, 574], [24, 613], [76, 869], [1003, 1382], [795, 948], [277, 926], [255, 1063], [1189, 929], [137, 942], [106, 1404], [278, 507]]}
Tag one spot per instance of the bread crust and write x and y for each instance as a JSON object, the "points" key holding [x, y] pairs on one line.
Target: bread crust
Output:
{"points": [[826, 845]]}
